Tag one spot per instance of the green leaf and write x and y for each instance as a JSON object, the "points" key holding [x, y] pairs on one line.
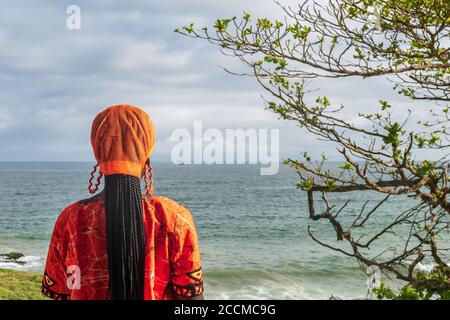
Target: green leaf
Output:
{"points": [[189, 29], [222, 25], [347, 166], [384, 105]]}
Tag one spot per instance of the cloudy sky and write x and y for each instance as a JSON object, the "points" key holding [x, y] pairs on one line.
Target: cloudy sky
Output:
{"points": [[54, 81]]}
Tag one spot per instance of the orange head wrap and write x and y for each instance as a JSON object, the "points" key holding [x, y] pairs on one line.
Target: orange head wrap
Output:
{"points": [[122, 137]]}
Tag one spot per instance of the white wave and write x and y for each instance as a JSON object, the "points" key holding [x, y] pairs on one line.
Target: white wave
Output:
{"points": [[280, 290], [27, 262], [30, 258], [427, 267]]}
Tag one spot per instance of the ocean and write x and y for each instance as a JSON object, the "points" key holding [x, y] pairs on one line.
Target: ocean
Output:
{"points": [[252, 228]]}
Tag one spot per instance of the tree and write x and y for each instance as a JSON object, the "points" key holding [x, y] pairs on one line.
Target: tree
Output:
{"points": [[403, 41]]}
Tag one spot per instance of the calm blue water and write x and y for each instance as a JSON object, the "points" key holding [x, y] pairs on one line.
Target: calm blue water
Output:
{"points": [[252, 228]]}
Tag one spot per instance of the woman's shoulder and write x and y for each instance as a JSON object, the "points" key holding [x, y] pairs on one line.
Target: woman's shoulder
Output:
{"points": [[73, 211], [94, 200], [174, 212], [64, 217]]}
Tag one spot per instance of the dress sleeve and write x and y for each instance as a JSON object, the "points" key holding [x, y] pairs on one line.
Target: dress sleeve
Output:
{"points": [[54, 281], [187, 277]]}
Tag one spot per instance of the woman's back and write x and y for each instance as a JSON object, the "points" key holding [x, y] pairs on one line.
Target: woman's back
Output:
{"points": [[77, 263]]}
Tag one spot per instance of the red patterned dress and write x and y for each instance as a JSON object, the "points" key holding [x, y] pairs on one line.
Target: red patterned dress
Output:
{"points": [[77, 262]]}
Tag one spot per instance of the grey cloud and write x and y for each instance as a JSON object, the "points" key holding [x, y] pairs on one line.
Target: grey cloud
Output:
{"points": [[55, 80]]}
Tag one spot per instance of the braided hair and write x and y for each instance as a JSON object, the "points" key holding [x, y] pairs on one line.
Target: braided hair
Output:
{"points": [[125, 237]]}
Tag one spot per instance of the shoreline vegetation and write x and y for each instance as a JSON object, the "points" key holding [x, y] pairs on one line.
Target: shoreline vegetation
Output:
{"points": [[17, 284], [20, 285]]}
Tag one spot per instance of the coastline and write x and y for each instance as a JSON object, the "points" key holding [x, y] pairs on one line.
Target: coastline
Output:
{"points": [[278, 260], [20, 285]]}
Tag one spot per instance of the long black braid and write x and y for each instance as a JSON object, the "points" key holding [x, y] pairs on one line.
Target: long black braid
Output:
{"points": [[125, 237]]}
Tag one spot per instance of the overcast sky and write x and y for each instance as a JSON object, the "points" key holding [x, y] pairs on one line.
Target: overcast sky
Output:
{"points": [[54, 81]]}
